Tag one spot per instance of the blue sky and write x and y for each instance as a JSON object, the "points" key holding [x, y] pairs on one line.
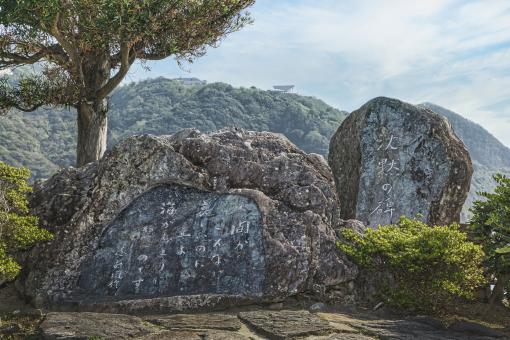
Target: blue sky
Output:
{"points": [[454, 53]]}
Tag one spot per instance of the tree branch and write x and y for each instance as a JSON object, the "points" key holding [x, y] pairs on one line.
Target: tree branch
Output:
{"points": [[33, 91], [9, 59], [69, 48], [32, 108], [127, 59], [153, 56], [50, 52]]}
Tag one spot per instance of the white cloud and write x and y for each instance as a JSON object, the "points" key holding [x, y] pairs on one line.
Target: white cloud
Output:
{"points": [[455, 53]]}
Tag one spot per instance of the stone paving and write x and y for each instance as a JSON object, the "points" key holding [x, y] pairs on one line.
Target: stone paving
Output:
{"points": [[256, 324]]}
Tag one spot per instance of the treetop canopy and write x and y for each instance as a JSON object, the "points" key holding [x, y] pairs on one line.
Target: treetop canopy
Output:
{"points": [[71, 34]]}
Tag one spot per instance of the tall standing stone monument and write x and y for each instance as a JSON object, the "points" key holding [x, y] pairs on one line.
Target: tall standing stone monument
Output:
{"points": [[391, 158]]}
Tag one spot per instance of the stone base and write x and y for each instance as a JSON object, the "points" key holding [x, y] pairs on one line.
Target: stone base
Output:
{"points": [[171, 304], [257, 324]]}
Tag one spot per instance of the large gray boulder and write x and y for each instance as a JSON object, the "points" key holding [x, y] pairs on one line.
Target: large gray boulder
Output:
{"points": [[390, 158], [190, 221]]}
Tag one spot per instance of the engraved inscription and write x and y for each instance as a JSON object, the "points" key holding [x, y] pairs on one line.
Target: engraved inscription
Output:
{"points": [[176, 240]]}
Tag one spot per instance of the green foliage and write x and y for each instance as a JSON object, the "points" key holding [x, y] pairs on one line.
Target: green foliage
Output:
{"points": [[80, 42], [18, 230], [162, 26], [490, 226], [422, 267], [31, 90], [44, 140], [503, 251], [86, 48]]}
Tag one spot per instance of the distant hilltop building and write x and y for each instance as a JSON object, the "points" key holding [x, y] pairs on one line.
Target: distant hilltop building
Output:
{"points": [[190, 81], [284, 88]]}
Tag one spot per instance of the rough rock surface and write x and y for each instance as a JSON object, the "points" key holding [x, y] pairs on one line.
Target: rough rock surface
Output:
{"points": [[407, 329], [488, 154], [87, 325], [197, 335], [390, 158], [224, 322], [259, 324], [190, 221], [286, 324]]}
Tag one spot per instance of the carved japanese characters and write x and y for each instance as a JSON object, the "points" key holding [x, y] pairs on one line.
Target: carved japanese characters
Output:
{"points": [[391, 158], [175, 240]]}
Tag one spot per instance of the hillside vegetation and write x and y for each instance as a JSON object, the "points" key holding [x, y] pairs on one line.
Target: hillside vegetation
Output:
{"points": [[44, 140]]}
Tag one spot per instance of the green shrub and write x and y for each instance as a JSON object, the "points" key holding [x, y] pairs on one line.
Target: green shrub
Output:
{"points": [[18, 230], [417, 267], [490, 226]]}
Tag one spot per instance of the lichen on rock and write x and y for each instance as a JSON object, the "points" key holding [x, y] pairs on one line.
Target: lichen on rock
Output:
{"points": [[189, 221], [391, 158]]}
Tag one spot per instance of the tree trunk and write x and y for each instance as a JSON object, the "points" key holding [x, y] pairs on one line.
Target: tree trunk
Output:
{"points": [[92, 128], [92, 123], [499, 290]]}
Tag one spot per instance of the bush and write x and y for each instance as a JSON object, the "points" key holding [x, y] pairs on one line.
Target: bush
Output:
{"points": [[490, 226], [18, 230], [423, 268]]}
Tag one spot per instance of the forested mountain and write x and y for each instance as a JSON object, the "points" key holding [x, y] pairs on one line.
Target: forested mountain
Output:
{"points": [[44, 140]]}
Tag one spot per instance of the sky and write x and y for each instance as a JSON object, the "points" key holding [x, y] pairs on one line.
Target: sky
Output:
{"points": [[454, 53]]}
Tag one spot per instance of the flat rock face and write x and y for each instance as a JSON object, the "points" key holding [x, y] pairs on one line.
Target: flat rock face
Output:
{"points": [[286, 324], [197, 335], [88, 325], [85, 326], [190, 221], [391, 158], [258, 324], [224, 322], [185, 241], [408, 329]]}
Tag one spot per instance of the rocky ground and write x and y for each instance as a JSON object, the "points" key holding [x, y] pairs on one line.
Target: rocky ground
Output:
{"points": [[20, 321]]}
